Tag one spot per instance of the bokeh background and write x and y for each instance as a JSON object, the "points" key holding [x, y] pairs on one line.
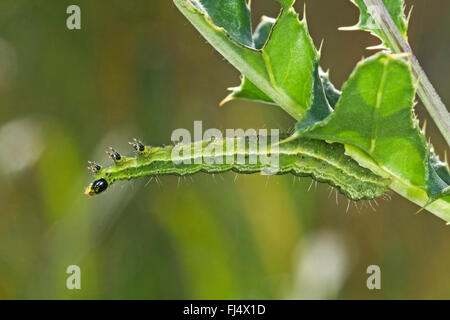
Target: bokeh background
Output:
{"points": [[139, 69]]}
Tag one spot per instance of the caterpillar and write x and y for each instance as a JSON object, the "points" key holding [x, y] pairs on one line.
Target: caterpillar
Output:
{"points": [[320, 160]]}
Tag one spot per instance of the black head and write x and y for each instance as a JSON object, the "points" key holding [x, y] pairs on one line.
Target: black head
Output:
{"points": [[96, 187]]}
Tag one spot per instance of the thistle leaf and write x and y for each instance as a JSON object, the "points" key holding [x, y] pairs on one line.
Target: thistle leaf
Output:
{"points": [[233, 16], [281, 60], [248, 91], [375, 115], [367, 22]]}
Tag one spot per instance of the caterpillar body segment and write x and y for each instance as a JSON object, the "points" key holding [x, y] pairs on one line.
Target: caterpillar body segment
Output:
{"points": [[322, 161]]}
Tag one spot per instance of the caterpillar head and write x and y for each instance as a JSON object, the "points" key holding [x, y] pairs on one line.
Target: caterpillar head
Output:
{"points": [[96, 187], [102, 177]]}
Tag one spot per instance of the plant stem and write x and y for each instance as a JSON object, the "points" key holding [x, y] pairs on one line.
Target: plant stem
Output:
{"points": [[398, 44]]}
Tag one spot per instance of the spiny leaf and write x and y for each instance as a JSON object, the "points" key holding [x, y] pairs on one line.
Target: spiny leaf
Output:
{"points": [[367, 23], [248, 91], [438, 177], [233, 16], [331, 92], [282, 67], [290, 57], [374, 114], [286, 3], [262, 31]]}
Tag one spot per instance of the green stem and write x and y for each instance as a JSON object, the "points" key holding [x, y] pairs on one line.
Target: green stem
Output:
{"points": [[398, 44]]}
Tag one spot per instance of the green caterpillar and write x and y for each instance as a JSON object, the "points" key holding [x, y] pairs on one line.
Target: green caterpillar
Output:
{"points": [[317, 159]]}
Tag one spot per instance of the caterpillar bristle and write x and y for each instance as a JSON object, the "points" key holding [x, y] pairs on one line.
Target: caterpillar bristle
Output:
{"points": [[94, 167], [113, 154], [137, 145]]}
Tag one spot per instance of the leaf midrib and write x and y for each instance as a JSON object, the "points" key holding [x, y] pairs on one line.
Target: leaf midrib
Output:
{"points": [[377, 106]]}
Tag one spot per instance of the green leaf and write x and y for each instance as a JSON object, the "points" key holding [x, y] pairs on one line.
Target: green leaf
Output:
{"points": [[286, 3], [367, 23], [233, 16], [320, 107], [375, 115], [331, 92], [248, 91], [439, 177], [290, 58], [262, 31], [283, 68], [380, 95]]}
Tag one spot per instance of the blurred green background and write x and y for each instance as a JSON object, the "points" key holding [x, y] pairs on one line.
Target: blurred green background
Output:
{"points": [[139, 69]]}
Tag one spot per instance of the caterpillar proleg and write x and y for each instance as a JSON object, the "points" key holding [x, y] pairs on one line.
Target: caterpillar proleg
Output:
{"points": [[322, 161]]}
